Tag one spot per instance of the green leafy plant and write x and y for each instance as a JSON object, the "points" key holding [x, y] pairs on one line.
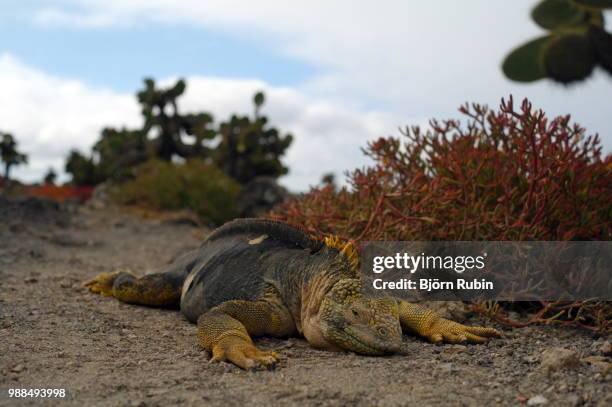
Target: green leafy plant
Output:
{"points": [[577, 42], [194, 185]]}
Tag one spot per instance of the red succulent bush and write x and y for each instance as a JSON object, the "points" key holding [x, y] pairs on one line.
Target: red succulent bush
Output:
{"points": [[511, 174]]}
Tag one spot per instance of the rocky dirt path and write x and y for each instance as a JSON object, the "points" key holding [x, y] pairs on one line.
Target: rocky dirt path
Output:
{"points": [[54, 334]]}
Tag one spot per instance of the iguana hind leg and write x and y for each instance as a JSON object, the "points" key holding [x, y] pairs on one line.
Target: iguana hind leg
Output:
{"points": [[226, 331], [417, 319], [157, 290]]}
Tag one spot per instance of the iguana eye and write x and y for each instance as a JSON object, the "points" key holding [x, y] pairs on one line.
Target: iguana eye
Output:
{"points": [[355, 313], [382, 331]]}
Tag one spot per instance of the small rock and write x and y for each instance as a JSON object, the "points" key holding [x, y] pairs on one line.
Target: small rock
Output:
{"points": [[606, 348], [67, 240], [65, 284], [36, 254], [606, 401], [446, 367], [537, 400], [18, 369], [599, 362], [521, 398], [30, 280], [559, 358], [455, 349], [530, 359], [573, 400]]}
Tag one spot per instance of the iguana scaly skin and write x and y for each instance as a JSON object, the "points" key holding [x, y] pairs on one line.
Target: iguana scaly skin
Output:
{"points": [[256, 277]]}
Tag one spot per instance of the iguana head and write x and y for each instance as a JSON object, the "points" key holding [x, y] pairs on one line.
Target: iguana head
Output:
{"points": [[363, 325]]}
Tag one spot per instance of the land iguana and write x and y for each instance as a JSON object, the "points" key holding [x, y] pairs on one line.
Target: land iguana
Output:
{"points": [[256, 277]]}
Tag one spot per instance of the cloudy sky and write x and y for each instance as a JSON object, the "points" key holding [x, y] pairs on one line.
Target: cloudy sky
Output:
{"points": [[336, 73]]}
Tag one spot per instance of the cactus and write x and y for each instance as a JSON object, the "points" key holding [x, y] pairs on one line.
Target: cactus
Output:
{"points": [[595, 3], [602, 41], [9, 154], [576, 44], [118, 151], [242, 147], [524, 63], [83, 170], [569, 58], [50, 177], [249, 148], [258, 100], [553, 14], [160, 111]]}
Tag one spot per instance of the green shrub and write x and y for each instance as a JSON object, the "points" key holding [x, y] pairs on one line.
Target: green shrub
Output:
{"points": [[194, 185]]}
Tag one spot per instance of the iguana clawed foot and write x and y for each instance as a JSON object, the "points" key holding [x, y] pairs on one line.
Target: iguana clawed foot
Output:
{"points": [[102, 283], [446, 331], [243, 354]]}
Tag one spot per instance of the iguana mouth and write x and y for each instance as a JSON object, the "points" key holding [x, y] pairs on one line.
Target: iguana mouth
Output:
{"points": [[368, 347]]}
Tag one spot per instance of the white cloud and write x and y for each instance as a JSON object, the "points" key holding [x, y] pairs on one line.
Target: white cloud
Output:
{"points": [[327, 136], [412, 60], [50, 115], [419, 59], [54, 16]]}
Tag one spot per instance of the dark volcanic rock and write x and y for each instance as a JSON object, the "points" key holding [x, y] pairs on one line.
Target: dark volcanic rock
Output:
{"points": [[31, 210]]}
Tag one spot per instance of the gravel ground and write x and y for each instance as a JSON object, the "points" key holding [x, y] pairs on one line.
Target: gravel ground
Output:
{"points": [[55, 334]]}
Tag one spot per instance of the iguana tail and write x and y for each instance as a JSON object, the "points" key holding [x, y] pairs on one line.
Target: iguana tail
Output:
{"points": [[157, 290]]}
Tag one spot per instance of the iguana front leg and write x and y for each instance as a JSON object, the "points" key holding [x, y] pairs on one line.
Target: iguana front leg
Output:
{"points": [[425, 322], [226, 331]]}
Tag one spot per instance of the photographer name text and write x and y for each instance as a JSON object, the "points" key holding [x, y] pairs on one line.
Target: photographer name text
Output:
{"points": [[433, 284], [413, 263]]}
